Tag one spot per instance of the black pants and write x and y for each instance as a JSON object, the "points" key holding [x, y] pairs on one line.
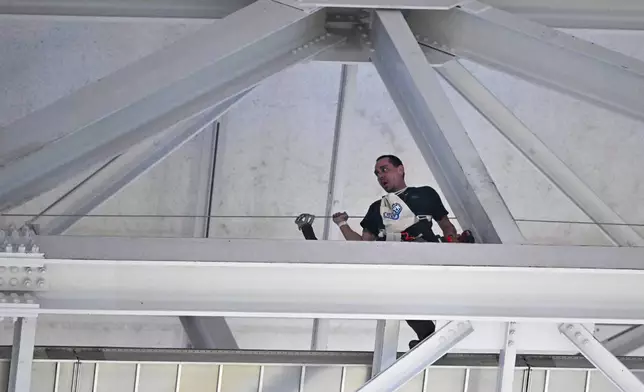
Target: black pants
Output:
{"points": [[423, 328]]}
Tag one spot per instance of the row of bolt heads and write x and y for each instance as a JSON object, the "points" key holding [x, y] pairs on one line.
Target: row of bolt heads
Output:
{"points": [[27, 282], [21, 249], [15, 298], [578, 335]]}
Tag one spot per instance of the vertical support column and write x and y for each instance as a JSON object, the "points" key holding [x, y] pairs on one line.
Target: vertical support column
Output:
{"points": [[604, 361], [507, 360], [386, 348], [348, 76], [320, 338], [441, 138], [207, 162], [22, 354], [208, 332]]}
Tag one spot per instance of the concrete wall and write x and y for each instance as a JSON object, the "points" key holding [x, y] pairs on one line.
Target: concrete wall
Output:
{"points": [[275, 152]]}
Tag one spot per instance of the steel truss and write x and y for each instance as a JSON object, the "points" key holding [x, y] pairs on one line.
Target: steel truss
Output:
{"points": [[464, 284]]}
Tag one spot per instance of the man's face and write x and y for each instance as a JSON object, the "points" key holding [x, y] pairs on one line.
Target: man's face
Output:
{"points": [[390, 178]]}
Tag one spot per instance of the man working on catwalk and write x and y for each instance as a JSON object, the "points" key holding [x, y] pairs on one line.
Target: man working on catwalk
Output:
{"points": [[404, 214]]}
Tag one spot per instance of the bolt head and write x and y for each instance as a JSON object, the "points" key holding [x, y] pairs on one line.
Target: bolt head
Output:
{"points": [[28, 270], [27, 283], [512, 332], [13, 282], [510, 343], [14, 270], [569, 327], [41, 283], [42, 270]]}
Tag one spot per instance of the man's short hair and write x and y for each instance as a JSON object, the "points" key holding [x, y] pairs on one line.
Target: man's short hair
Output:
{"points": [[392, 158]]}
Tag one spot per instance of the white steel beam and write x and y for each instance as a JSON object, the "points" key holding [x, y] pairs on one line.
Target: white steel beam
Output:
{"points": [[438, 132], [386, 348], [124, 9], [603, 360], [626, 342], [536, 53], [108, 182], [597, 14], [209, 333], [22, 354], [385, 4], [178, 82], [254, 278], [581, 14], [507, 359], [539, 154], [420, 357]]}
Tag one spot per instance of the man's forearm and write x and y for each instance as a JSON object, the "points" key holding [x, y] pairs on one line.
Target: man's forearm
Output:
{"points": [[447, 227], [349, 234]]}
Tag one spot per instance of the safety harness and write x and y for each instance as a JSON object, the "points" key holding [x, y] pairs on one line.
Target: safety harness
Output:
{"points": [[401, 224]]}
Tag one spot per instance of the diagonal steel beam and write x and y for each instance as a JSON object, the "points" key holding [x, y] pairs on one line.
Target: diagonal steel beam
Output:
{"points": [[626, 342], [539, 154], [536, 53], [176, 83], [420, 357], [604, 361], [108, 182], [578, 14], [439, 134]]}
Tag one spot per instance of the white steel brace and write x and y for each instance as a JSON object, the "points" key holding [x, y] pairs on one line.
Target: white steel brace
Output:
{"points": [[438, 132], [539, 154], [507, 359], [626, 342], [536, 53], [108, 182], [182, 80], [603, 360], [420, 357]]}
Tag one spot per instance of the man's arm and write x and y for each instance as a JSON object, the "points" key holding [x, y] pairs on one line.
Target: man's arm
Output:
{"points": [[340, 219], [447, 227], [439, 213]]}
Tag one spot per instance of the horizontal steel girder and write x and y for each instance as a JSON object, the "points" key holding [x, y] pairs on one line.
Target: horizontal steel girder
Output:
{"points": [[597, 14], [329, 279], [176, 83], [536, 53]]}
